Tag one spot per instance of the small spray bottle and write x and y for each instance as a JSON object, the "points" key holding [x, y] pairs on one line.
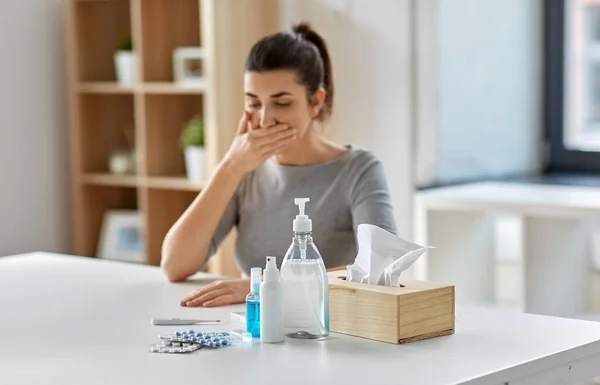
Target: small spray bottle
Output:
{"points": [[271, 304], [253, 303]]}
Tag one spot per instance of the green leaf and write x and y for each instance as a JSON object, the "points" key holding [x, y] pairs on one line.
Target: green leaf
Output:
{"points": [[125, 44], [193, 133]]}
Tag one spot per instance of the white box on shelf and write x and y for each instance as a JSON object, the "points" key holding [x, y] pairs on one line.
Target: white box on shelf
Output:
{"points": [[188, 66]]}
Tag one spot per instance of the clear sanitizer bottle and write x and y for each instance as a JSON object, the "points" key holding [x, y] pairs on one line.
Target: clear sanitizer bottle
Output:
{"points": [[305, 285]]}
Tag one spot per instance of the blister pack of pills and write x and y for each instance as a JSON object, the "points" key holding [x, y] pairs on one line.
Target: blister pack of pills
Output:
{"points": [[190, 341]]}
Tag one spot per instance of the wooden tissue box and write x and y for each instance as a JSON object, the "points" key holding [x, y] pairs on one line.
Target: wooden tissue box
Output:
{"points": [[398, 315]]}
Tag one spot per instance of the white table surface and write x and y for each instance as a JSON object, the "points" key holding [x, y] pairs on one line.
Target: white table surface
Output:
{"points": [[75, 320]]}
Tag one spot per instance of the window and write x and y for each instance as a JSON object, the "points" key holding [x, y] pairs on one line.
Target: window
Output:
{"points": [[572, 85]]}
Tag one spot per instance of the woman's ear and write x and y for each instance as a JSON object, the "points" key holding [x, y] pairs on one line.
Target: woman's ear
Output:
{"points": [[316, 102]]}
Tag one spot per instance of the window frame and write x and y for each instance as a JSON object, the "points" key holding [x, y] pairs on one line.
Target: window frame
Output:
{"points": [[558, 157]]}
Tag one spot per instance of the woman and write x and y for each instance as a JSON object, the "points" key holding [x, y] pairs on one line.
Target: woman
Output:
{"points": [[278, 154]]}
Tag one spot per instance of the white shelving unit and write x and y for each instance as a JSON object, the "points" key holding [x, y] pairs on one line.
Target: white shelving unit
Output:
{"points": [[556, 244]]}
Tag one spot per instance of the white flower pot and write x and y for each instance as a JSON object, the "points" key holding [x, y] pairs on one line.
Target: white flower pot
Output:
{"points": [[122, 163], [126, 67], [194, 163]]}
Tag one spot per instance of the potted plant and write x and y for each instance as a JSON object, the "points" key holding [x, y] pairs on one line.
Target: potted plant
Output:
{"points": [[125, 61], [192, 142]]}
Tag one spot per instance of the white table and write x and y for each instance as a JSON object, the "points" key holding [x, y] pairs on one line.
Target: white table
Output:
{"points": [[558, 228], [74, 320]]}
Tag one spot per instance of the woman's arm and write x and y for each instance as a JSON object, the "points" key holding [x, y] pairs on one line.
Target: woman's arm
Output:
{"points": [[187, 243]]}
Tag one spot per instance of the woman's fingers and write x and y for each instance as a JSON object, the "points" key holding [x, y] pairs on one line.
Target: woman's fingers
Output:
{"points": [[226, 299], [263, 144], [244, 123], [201, 291], [192, 296], [280, 149], [270, 130], [277, 150], [211, 295], [254, 121], [270, 147], [222, 292]]}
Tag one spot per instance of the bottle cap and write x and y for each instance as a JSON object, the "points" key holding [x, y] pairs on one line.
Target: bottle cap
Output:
{"points": [[302, 223], [255, 279], [271, 272]]}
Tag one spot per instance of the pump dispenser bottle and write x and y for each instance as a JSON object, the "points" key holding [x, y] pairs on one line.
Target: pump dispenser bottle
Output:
{"points": [[304, 281]]}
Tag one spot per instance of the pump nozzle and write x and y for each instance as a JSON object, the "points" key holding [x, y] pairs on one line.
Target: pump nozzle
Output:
{"points": [[271, 264], [271, 272], [302, 223], [301, 202]]}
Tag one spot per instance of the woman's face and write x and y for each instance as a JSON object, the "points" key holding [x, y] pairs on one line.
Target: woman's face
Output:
{"points": [[275, 97]]}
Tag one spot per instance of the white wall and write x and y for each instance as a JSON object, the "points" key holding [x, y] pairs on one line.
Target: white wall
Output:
{"points": [[487, 66], [370, 45], [488, 71], [34, 210]]}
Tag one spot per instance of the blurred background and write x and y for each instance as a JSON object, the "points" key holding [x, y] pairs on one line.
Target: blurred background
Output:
{"points": [[486, 114]]}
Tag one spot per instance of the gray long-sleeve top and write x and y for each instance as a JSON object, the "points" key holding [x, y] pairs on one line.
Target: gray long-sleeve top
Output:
{"points": [[344, 193]]}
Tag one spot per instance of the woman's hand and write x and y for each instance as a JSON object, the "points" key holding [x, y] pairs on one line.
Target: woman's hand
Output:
{"points": [[252, 146], [219, 293]]}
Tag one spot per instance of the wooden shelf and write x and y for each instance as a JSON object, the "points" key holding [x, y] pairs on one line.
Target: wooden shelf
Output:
{"points": [[152, 88], [97, 200], [180, 183], [166, 115], [105, 87], [98, 26], [105, 120], [106, 116], [167, 25], [171, 88], [106, 179]]}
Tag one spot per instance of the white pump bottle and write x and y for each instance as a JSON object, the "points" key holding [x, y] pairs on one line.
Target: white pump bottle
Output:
{"points": [[305, 284]]}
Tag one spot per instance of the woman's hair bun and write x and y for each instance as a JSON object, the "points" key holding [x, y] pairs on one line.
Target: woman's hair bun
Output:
{"points": [[303, 29]]}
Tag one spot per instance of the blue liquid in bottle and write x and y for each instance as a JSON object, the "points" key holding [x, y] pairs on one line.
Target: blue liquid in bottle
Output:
{"points": [[253, 315], [253, 303]]}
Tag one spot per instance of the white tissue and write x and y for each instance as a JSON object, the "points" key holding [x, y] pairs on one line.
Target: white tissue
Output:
{"points": [[382, 257]]}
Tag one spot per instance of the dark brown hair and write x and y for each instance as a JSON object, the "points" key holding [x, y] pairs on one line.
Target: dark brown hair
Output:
{"points": [[302, 51]]}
